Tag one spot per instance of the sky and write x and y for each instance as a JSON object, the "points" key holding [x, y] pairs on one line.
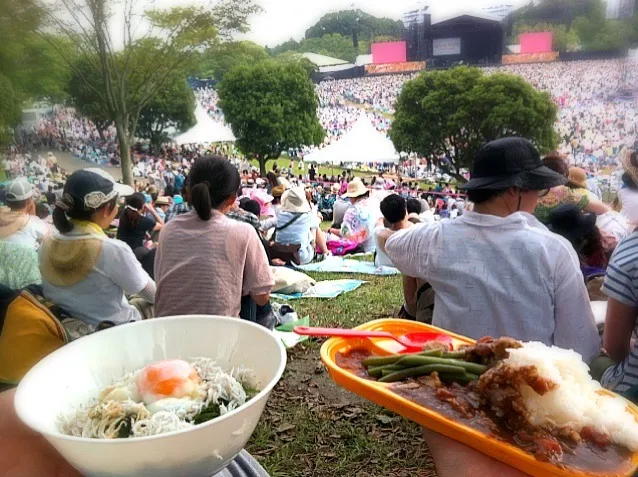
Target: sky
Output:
{"points": [[285, 19]]}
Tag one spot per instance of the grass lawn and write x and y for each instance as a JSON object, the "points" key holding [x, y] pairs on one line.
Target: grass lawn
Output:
{"points": [[312, 427], [284, 162]]}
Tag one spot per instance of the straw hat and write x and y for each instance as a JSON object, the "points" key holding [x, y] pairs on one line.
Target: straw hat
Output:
{"points": [[277, 191], [162, 201], [577, 178], [356, 188], [294, 200], [335, 188], [630, 167]]}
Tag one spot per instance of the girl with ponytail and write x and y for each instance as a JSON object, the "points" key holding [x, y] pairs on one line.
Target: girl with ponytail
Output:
{"points": [[206, 263], [86, 273]]}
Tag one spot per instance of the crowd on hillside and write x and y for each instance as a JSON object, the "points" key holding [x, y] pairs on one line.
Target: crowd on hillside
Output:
{"points": [[208, 98], [595, 118]]}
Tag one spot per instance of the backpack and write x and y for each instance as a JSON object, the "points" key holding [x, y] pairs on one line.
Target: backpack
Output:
{"points": [[30, 329]]}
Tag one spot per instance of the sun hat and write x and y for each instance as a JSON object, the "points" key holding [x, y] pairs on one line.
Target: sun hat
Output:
{"points": [[261, 196], [162, 201], [356, 188], [294, 200], [511, 162], [277, 191], [19, 190], [577, 178], [630, 167], [282, 181], [94, 188], [335, 188], [568, 221]]}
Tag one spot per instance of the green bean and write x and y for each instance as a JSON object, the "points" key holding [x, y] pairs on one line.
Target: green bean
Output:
{"points": [[431, 352], [411, 361], [375, 361], [375, 371], [420, 371], [385, 372], [454, 355]]}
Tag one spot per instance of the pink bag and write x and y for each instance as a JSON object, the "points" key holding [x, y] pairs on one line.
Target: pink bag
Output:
{"points": [[340, 247]]}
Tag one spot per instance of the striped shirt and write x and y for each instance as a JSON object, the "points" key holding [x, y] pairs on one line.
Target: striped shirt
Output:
{"points": [[621, 283]]}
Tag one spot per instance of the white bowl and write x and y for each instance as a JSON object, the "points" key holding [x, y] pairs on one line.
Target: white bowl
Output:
{"points": [[77, 372]]}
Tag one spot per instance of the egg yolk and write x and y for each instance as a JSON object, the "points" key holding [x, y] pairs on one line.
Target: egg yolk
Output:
{"points": [[170, 378]]}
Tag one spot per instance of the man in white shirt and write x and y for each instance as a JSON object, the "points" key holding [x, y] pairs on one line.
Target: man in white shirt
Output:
{"points": [[18, 223], [497, 271]]}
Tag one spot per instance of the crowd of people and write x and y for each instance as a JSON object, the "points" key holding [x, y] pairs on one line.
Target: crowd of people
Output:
{"points": [[522, 251], [521, 254], [596, 118]]}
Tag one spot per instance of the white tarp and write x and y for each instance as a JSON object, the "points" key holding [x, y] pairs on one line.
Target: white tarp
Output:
{"points": [[362, 144], [205, 131]]}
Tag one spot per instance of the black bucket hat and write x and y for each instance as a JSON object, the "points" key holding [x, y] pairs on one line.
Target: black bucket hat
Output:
{"points": [[567, 220], [511, 162]]}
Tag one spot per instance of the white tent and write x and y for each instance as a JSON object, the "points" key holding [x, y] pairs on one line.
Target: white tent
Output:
{"points": [[205, 131], [362, 144]]}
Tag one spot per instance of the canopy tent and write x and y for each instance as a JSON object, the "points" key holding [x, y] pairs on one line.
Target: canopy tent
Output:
{"points": [[362, 144], [205, 131]]}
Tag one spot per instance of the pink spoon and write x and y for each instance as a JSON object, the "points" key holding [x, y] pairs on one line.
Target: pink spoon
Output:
{"points": [[413, 341]]}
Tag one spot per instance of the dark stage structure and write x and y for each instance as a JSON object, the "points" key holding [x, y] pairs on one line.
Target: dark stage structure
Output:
{"points": [[465, 39]]}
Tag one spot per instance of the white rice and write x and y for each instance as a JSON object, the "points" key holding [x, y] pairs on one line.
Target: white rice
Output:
{"points": [[104, 415], [576, 401]]}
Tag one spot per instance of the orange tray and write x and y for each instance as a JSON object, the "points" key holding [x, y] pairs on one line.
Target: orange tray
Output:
{"points": [[380, 394]]}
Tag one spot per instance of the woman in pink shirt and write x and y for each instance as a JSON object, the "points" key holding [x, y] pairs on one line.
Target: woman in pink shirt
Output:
{"points": [[206, 262]]}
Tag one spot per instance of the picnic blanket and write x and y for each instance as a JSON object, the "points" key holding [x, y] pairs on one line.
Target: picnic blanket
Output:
{"points": [[286, 334], [324, 289], [346, 265]]}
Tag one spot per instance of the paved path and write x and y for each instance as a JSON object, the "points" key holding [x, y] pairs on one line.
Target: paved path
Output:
{"points": [[68, 162]]}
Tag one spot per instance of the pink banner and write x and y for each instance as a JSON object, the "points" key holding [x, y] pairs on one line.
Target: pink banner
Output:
{"points": [[391, 52], [540, 42]]}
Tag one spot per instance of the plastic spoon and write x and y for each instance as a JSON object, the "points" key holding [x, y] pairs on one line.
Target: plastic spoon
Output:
{"points": [[413, 341]]}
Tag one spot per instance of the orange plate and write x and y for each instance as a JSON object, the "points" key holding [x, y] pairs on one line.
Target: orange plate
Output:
{"points": [[380, 394]]}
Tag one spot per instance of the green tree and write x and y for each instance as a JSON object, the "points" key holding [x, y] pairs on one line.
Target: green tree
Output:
{"points": [[28, 60], [334, 45], [271, 106], [156, 44], [356, 25], [451, 113], [83, 85], [172, 107], [221, 58], [10, 110]]}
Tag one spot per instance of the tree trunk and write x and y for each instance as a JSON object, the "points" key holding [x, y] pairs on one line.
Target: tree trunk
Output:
{"points": [[262, 166], [125, 155]]}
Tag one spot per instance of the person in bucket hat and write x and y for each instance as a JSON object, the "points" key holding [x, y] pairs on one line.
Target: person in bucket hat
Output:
{"points": [[497, 270]]}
